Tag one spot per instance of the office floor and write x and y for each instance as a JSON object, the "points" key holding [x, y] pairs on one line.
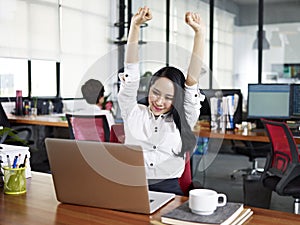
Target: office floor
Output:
{"points": [[217, 177]]}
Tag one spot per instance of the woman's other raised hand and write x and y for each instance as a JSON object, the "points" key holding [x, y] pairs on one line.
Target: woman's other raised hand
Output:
{"points": [[143, 15], [194, 21]]}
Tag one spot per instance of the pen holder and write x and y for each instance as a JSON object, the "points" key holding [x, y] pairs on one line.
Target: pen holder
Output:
{"points": [[14, 180]]}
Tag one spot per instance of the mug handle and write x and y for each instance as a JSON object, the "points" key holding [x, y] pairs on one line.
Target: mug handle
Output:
{"points": [[224, 201]]}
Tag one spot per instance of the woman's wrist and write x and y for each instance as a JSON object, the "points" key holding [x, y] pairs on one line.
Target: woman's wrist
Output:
{"points": [[199, 33]]}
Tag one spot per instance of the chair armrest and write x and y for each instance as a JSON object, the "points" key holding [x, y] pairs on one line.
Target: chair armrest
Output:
{"points": [[24, 130], [291, 173], [3, 137], [267, 166]]}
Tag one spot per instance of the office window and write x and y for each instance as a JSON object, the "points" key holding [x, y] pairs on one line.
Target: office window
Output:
{"points": [[153, 52], [156, 53], [281, 61], [234, 59], [223, 49], [29, 29], [43, 78], [86, 36], [182, 36], [13, 76]]}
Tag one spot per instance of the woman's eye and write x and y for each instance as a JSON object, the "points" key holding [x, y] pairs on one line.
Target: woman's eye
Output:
{"points": [[155, 92]]}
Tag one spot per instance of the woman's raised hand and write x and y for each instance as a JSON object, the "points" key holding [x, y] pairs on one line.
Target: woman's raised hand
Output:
{"points": [[194, 21], [143, 15]]}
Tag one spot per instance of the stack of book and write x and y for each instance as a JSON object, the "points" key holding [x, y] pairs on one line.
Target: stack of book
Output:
{"points": [[230, 214]]}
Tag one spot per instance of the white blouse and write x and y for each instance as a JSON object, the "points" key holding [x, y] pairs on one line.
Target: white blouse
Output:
{"points": [[159, 137]]}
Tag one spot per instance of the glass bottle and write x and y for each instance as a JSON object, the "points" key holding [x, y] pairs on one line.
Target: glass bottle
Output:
{"points": [[19, 103]]}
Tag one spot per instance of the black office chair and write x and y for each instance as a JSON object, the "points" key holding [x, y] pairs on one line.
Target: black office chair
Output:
{"points": [[252, 150], [88, 127], [13, 136], [282, 169]]}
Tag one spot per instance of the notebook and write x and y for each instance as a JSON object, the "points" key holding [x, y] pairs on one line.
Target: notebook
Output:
{"points": [[101, 174]]}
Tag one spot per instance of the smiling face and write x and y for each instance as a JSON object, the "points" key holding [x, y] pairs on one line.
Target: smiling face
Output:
{"points": [[161, 95]]}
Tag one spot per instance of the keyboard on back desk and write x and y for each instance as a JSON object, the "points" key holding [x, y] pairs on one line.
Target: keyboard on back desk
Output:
{"points": [[294, 127], [296, 133]]}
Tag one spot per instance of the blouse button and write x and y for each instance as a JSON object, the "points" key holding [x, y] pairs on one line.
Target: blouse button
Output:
{"points": [[196, 95], [154, 147], [151, 164], [126, 75]]}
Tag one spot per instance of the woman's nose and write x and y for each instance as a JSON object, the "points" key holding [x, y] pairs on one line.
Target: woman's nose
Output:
{"points": [[160, 100]]}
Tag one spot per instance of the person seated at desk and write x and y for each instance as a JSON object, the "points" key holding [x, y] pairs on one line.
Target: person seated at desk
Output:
{"points": [[93, 93], [164, 127]]}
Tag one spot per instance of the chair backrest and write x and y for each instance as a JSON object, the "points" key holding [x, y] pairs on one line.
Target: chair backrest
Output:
{"points": [[3, 118], [186, 180], [88, 127], [284, 148], [117, 134]]}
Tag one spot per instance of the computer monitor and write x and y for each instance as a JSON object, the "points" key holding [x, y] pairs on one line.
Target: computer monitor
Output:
{"points": [[295, 90], [270, 101], [205, 111]]}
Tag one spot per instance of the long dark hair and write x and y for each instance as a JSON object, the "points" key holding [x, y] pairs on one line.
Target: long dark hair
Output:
{"points": [[188, 138]]}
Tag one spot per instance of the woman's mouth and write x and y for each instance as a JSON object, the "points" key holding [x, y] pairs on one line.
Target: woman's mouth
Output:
{"points": [[156, 109]]}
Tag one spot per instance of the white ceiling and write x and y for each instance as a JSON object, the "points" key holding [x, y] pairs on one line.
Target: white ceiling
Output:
{"points": [[251, 2]]}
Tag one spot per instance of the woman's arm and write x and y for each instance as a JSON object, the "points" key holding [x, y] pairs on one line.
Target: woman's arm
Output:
{"points": [[143, 15], [131, 76], [194, 70], [193, 97]]}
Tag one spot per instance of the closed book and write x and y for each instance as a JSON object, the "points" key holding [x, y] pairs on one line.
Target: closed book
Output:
{"points": [[182, 215], [242, 217]]}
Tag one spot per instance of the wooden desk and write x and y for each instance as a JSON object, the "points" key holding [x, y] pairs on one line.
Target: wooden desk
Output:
{"points": [[259, 136], [56, 121], [39, 206], [43, 120]]}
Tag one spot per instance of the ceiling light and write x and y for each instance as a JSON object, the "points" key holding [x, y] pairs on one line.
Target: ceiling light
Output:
{"points": [[265, 43]]}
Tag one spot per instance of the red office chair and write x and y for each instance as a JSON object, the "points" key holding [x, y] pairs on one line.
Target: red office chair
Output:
{"points": [[117, 135], [186, 180], [282, 170], [88, 127]]}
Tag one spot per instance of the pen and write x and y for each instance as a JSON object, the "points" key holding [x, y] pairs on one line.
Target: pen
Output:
{"points": [[19, 160], [24, 163], [15, 162], [1, 174], [8, 161]]}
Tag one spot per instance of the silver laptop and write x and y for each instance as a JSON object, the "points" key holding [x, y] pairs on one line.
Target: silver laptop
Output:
{"points": [[101, 174]]}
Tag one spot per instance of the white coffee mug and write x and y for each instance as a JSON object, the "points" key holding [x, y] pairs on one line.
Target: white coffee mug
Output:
{"points": [[205, 201]]}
